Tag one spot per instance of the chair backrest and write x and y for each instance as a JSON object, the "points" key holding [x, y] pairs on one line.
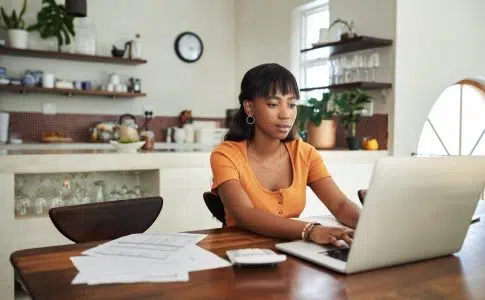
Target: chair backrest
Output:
{"points": [[106, 220], [215, 206], [361, 194]]}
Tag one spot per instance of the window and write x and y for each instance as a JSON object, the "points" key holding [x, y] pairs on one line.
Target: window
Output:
{"points": [[311, 69], [455, 124]]}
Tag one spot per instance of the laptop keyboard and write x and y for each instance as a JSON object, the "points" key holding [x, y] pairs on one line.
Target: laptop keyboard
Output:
{"points": [[340, 254]]}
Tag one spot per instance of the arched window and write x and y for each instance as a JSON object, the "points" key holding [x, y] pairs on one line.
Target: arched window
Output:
{"points": [[456, 122]]}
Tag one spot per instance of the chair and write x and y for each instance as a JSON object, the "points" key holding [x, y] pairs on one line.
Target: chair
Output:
{"points": [[215, 206], [361, 194], [106, 220]]}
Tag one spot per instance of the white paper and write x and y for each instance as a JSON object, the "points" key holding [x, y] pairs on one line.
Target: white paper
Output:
{"points": [[325, 220], [154, 246], [145, 258], [102, 278]]}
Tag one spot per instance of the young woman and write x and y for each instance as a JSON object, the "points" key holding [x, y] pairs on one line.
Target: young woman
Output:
{"points": [[262, 169]]}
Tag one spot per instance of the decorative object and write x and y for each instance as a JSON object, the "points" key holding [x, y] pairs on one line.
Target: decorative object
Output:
{"points": [[349, 26], [76, 8], [16, 27], [53, 21], [188, 47], [117, 52], [349, 106], [85, 40], [127, 147], [317, 117], [128, 129], [136, 47]]}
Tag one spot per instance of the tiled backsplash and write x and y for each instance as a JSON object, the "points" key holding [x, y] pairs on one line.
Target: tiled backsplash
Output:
{"points": [[30, 125]]}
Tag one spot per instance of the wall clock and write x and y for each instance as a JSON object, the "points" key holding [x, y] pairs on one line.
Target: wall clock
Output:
{"points": [[188, 47]]}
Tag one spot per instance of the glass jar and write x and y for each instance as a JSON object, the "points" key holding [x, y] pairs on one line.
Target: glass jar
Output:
{"points": [[85, 36], [149, 138]]}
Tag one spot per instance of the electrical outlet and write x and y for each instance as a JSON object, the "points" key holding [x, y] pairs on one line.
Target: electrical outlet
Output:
{"points": [[49, 108]]}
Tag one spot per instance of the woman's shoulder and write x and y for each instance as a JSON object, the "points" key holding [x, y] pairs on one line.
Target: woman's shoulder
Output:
{"points": [[230, 148]]}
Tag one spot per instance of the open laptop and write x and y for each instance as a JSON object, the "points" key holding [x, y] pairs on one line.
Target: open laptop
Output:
{"points": [[416, 208]]}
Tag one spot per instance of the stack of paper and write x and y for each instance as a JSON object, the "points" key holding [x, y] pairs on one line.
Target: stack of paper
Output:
{"points": [[164, 257]]}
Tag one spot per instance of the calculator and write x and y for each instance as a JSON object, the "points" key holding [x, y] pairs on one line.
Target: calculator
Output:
{"points": [[254, 256]]}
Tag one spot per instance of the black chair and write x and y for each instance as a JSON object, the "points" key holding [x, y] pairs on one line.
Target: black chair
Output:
{"points": [[106, 220], [215, 206], [361, 194]]}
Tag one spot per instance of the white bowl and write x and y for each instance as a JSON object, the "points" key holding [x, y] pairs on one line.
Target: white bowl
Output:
{"points": [[127, 147]]}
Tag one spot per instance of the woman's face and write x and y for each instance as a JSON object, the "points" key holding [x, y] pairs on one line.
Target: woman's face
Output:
{"points": [[274, 115]]}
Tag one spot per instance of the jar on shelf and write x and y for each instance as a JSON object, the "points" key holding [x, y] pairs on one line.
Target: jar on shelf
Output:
{"points": [[85, 38], [149, 138]]}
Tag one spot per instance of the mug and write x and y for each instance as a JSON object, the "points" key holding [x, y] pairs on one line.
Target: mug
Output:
{"points": [[48, 80], [86, 85]]}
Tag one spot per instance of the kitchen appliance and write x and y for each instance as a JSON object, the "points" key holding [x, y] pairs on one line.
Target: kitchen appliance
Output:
{"points": [[128, 129], [4, 117]]}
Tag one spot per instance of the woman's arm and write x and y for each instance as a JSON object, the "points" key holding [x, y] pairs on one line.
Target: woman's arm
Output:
{"points": [[339, 205], [237, 202]]}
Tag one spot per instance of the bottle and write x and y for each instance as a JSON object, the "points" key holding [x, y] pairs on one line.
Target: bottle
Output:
{"points": [[136, 47]]}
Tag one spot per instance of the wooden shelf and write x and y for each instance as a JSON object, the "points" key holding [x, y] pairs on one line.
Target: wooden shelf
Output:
{"points": [[354, 44], [363, 85], [69, 56], [67, 92]]}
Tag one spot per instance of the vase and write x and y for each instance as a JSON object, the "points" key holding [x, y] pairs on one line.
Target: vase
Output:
{"points": [[18, 38]]}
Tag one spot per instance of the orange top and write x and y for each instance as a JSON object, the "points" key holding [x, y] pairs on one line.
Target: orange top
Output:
{"points": [[229, 161]]}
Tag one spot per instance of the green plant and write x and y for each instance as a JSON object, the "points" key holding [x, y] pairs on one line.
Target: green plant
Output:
{"points": [[14, 21], [315, 111], [53, 21], [349, 106]]}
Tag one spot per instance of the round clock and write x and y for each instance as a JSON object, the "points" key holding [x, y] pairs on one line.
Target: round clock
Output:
{"points": [[188, 47]]}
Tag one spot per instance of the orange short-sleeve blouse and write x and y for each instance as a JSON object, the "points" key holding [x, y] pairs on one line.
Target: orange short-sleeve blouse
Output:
{"points": [[229, 161]]}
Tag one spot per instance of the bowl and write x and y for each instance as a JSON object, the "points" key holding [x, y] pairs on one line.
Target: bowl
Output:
{"points": [[127, 147]]}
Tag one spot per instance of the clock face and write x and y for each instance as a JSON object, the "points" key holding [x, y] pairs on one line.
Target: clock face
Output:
{"points": [[188, 47]]}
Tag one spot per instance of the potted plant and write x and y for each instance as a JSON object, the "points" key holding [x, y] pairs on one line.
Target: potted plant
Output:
{"points": [[349, 106], [349, 26], [317, 117], [53, 21], [16, 27]]}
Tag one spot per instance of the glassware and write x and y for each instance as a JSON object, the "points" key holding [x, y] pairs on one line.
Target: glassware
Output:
{"points": [[138, 193], [99, 191]]}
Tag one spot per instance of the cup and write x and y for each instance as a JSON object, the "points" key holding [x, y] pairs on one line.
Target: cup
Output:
{"points": [[86, 85], [48, 80]]}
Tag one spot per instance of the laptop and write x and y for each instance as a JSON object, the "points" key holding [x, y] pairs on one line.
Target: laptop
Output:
{"points": [[416, 208]]}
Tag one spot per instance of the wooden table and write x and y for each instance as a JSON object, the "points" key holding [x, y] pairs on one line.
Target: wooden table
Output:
{"points": [[47, 273]]}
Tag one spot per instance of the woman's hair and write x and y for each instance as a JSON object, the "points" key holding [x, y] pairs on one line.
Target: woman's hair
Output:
{"points": [[261, 81]]}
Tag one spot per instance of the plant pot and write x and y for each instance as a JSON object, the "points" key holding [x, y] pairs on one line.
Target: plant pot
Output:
{"points": [[323, 136], [18, 38], [353, 143]]}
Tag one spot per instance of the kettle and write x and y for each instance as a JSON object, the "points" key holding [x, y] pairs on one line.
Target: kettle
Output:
{"points": [[128, 129]]}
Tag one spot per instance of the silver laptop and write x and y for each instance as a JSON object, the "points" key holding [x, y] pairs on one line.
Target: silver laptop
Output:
{"points": [[416, 208]]}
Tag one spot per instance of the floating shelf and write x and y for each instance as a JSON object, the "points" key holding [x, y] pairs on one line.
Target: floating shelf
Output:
{"points": [[354, 44], [67, 92], [363, 85], [69, 56]]}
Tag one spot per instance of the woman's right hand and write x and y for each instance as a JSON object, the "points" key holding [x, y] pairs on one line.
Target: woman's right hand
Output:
{"points": [[331, 235]]}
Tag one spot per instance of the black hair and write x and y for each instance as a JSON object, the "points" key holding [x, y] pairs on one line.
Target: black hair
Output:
{"points": [[261, 81]]}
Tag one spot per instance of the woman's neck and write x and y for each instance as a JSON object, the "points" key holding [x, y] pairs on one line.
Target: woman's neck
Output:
{"points": [[263, 145]]}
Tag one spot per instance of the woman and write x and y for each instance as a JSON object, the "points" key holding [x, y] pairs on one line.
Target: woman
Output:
{"points": [[261, 170]]}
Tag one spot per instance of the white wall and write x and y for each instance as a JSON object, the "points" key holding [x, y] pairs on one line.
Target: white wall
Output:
{"points": [[206, 87], [264, 31], [373, 18], [437, 44]]}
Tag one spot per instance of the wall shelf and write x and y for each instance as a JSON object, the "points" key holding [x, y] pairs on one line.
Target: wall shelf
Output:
{"points": [[363, 85], [67, 92], [69, 56], [354, 44]]}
